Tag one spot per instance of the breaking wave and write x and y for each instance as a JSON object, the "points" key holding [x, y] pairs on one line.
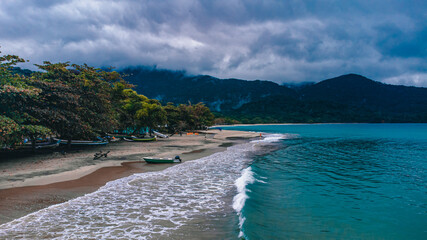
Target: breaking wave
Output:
{"points": [[247, 177]]}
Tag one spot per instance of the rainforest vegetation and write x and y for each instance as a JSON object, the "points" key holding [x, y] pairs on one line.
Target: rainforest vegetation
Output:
{"points": [[73, 101]]}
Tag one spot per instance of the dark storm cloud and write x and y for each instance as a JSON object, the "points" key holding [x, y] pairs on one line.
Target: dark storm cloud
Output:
{"points": [[395, 42], [282, 41]]}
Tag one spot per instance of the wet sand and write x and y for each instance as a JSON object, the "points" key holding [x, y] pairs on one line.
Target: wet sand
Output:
{"points": [[27, 185]]}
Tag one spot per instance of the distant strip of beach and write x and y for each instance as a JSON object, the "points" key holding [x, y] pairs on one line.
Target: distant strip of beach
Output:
{"points": [[33, 182]]}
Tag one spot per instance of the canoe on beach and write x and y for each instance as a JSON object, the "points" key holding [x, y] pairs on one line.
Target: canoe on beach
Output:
{"points": [[84, 143], [41, 145], [162, 160], [140, 139], [160, 134]]}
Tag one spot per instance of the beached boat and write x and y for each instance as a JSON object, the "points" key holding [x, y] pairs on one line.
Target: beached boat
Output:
{"points": [[41, 145], [135, 139], [84, 143], [162, 160], [160, 134]]}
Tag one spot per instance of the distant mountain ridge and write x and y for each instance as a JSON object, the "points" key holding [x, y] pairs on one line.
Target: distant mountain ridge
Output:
{"points": [[347, 98], [217, 94], [356, 90]]}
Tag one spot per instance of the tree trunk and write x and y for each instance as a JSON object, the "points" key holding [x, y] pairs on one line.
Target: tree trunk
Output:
{"points": [[33, 144], [69, 143]]}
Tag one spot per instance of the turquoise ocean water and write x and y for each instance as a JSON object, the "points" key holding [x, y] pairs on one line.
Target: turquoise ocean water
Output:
{"points": [[338, 181], [323, 181]]}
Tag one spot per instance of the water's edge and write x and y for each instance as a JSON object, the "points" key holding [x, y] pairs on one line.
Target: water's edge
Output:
{"points": [[180, 201]]}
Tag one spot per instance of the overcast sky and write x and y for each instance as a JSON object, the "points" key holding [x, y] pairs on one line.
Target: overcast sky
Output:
{"points": [[282, 41]]}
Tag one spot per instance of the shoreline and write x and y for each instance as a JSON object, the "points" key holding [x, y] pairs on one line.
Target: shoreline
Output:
{"points": [[273, 124], [18, 199]]}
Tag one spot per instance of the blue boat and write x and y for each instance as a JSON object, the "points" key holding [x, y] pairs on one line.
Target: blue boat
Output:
{"points": [[41, 145]]}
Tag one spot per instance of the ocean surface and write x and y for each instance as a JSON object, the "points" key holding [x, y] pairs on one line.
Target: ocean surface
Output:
{"points": [[323, 181], [339, 181]]}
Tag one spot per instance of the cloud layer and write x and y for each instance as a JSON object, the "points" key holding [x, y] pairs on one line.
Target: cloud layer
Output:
{"points": [[282, 41]]}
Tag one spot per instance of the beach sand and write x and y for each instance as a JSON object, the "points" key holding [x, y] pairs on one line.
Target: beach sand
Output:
{"points": [[28, 184]]}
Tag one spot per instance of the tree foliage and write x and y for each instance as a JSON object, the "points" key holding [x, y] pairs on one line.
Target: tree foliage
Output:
{"points": [[194, 117], [81, 102], [75, 100], [16, 97]]}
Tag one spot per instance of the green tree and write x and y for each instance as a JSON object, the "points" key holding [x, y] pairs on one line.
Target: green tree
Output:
{"points": [[16, 97], [96, 97], [76, 99], [132, 102], [142, 112], [124, 115], [203, 117], [60, 98], [151, 115], [174, 122], [188, 117]]}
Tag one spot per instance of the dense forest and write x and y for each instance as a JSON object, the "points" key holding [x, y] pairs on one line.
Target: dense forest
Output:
{"points": [[348, 98], [73, 101]]}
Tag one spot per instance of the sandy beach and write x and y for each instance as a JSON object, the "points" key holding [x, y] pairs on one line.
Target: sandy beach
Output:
{"points": [[30, 183]]}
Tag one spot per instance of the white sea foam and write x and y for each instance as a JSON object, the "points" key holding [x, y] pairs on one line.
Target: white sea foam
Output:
{"points": [[240, 199], [142, 206], [247, 177], [270, 138], [241, 183]]}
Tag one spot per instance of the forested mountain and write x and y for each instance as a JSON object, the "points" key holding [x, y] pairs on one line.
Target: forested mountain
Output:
{"points": [[218, 94], [348, 98], [356, 90]]}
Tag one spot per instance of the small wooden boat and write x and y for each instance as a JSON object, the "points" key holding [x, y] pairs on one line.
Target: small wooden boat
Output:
{"points": [[144, 139], [160, 134], [41, 145], [84, 143], [135, 139], [162, 160]]}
